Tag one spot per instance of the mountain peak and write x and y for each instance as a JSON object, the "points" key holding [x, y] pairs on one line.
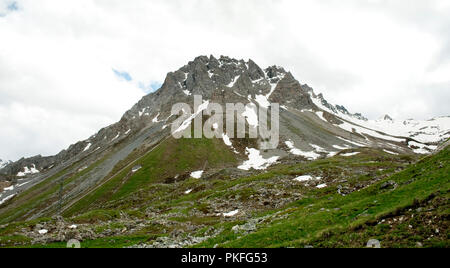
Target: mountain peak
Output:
{"points": [[225, 77], [4, 163], [387, 118]]}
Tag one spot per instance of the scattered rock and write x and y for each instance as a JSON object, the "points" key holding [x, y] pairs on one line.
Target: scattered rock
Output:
{"points": [[388, 185], [373, 243]]}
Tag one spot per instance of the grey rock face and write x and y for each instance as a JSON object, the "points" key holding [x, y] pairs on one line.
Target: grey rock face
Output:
{"points": [[290, 92], [38, 162], [222, 80]]}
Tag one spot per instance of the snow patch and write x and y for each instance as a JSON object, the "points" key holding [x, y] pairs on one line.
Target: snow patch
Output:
{"points": [[226, 140], [87, 147], [141, 112], [28, 171], [230, 85], [340, 147], [351, 142], [116, 137], [9, 188], [262, 101], [420, 148], [197, 174], [318, 148], [136, 168], [43, 231], [320, 115], [295, 151], [155, 120], [273, 86], [390, 152], [251, 115], [350, 154], [426, 131], [6, 199], [188, 121], [361, 130], [22, 184], [82, 168], [320, 186], [256, 161], [231, 213], [305, 178], [331, 154]]}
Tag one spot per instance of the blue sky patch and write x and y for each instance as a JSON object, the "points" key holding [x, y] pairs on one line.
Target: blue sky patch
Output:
{"points": [[150, 88], [122, 75], [146, 88], [13, 6]]}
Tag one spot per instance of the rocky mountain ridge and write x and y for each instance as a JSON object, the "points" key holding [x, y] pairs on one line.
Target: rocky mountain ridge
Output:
{"points": [[4, 163], [227, 80]]}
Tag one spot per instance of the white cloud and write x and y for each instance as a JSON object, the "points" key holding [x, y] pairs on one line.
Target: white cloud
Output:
{"points": [[57, 57]]}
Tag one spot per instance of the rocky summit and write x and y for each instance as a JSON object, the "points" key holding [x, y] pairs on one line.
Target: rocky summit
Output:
{"points": [[331, 173]]}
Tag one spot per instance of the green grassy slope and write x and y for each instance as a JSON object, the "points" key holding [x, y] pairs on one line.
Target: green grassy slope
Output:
{"points": [[171, 160], [411, 210], [42, 194], [350, 221]]}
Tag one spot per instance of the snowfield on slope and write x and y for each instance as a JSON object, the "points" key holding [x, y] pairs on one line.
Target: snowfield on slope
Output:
{"points": [[227, 141], [251, 115], [6, 199], [186, 123], [87, 147], [308, 155], [28, 171], [425, 131], [361, 130], [256, 161], [419, 148]]}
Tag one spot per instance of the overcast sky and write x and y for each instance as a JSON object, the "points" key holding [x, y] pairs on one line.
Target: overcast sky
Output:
{"points": [[69, 68]]}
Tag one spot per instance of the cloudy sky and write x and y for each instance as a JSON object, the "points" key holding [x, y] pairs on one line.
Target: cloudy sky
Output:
{"points": [[68, 68]]}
